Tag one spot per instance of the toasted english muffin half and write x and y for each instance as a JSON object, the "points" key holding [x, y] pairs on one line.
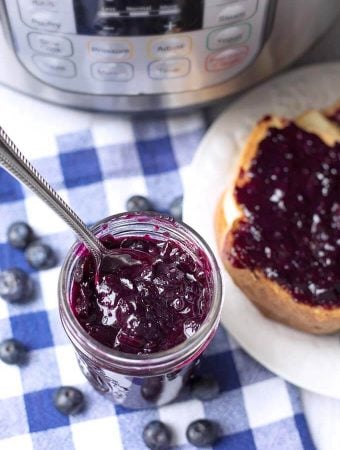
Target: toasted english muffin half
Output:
{"points": [[274, 300]]}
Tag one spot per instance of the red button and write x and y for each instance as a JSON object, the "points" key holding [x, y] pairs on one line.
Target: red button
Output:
{"points": [[226, 59]]}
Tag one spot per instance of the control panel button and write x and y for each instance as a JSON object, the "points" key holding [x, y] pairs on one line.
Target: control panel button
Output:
{"points": [[110, 50], [49, 44], [112, 71], [43, 20], [224, 37], [233, 12], [170, 47], [52, 5], [226, 59], [55, 66], [169, 68]]}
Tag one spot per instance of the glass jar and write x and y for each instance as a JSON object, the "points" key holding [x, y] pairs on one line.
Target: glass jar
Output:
{"points": [[139, 381]]}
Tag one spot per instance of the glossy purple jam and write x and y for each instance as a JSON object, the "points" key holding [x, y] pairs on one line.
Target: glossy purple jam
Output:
{"points": [[146, 307], [291, 200]]}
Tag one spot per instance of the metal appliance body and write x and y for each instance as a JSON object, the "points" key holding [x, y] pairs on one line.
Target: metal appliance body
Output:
{"points": [[145, 55]]}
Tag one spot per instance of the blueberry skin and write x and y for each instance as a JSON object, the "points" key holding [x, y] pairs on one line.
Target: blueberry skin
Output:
{"points": [[151, 389], [202, 433], [19, 234], [69, 400], [138, 203], [176, 208], [156, 435], [15, 285], [204, 387], [13, 352], [40, 256]]}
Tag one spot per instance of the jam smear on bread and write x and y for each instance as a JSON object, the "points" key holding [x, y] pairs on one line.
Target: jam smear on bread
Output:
{"points": [[290, 228]]}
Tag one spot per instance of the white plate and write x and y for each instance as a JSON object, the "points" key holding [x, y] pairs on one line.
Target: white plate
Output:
{"points": [[308, 361]]}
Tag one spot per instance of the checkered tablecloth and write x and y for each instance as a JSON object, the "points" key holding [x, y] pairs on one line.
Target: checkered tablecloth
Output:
{"points": [[96, 162]]}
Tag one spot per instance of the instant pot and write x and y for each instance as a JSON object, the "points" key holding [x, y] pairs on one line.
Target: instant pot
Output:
{"points": [[140, 55]]}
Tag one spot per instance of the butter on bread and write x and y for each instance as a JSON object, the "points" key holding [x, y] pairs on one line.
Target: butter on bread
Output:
{"points": [[271, 298], [316, 122]]}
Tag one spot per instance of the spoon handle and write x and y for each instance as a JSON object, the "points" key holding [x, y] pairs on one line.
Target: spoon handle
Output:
{"points": [[15, 162]]}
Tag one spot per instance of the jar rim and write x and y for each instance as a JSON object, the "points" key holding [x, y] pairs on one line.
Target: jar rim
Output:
{"points": [[158, 362]]}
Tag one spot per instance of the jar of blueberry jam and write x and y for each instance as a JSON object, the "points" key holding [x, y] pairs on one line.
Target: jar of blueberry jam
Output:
{"points": [[139, 329]]}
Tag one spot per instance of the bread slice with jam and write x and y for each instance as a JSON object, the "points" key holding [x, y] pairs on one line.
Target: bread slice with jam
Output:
{"points": [[278, 226]]}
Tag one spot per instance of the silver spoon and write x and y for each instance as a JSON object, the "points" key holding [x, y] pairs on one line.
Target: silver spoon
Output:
{"points": [[107, 260]]}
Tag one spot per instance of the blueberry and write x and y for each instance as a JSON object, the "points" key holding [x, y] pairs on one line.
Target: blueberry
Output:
{"points": [[176, 208], [15, 285], [12, 352], [202, 433], [138, 203], [40, 256], [19, 234], [69, 400], [157, 435], [204, 387], [151, 388]]}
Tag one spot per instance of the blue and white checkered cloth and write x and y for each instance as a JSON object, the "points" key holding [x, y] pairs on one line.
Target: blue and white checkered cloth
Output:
{"points": [[96, 162]]}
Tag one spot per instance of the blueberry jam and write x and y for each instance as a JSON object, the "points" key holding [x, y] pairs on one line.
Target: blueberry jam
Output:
{"points": [[291, 199], [149, 306]]}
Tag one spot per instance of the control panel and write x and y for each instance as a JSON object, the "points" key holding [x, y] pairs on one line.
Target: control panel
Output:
{"points": [[136, 47]]}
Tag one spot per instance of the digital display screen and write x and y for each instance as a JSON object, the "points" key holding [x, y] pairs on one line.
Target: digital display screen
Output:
{"points": [[137, 17]]}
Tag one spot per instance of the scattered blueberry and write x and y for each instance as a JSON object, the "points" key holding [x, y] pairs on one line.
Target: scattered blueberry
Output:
{"points": [[19, 234], [12, 352], [176, 208], [69, 400], [157, 435], [15, 285], [202, 433], [204, 387], [40, 256], [138, 203]]}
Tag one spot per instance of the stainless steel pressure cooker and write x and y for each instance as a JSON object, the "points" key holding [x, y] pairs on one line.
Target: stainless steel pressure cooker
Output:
{"points": [[140, 55]]}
